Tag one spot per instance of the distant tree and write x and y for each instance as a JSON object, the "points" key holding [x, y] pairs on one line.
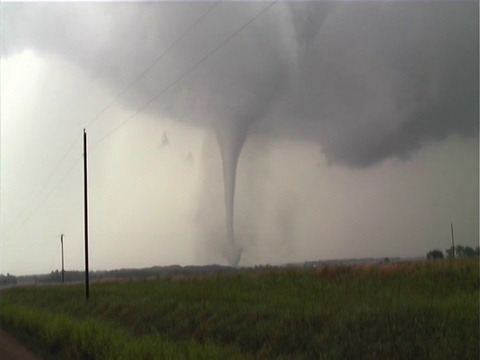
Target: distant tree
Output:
{"points": [[434, 254], [469, 252], [8, 279], [55, 276], [463, 252], [459, 251]]}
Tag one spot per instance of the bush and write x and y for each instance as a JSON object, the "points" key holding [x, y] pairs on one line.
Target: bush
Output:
{"points": [[435, 254]]}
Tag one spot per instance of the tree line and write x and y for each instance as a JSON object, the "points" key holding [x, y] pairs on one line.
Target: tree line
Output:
{"points": [[8, 280], [458, 252]]}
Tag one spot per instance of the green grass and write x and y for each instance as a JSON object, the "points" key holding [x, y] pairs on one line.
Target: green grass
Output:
{"points": [[396, 311]]}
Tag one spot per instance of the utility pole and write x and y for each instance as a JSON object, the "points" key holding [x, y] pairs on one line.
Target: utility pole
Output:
{"points": [[63, 268], [453, 241], [87, 289]]}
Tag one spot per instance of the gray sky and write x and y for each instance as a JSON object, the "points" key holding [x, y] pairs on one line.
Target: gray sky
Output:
{"points": [[357, 124]]}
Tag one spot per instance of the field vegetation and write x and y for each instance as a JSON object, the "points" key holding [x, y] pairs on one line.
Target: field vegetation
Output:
{"points": [[386, 311]]}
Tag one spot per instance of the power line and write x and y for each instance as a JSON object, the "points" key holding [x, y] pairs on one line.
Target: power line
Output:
{"points": [[50, 193], [202, 60], [161, 56], [56, 186], [44, 186], [26, 242]]}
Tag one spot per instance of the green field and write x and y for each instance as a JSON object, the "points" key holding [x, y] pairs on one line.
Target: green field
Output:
{"points": [[392, 311]]}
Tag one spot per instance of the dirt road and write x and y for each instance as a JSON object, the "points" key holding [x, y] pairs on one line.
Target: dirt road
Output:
{"points": [[12, 349]]}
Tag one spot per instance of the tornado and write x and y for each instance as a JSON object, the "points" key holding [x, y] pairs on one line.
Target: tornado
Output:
{"points": [[231, 135]]}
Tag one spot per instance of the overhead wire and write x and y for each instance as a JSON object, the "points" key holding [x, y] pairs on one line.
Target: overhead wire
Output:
{"points": [[45, 183], [110, 104], [198, 63], [49, 193], [56, 186], [149, 102], [148, 68]]}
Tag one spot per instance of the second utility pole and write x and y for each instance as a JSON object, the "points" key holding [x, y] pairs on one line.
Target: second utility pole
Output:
{"points": [[453, 241], [63, 268], [85, 197]]}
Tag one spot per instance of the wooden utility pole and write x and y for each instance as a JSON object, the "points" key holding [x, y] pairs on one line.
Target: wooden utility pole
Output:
{"points": [[453, 241], [63, 268], [87, 288]]}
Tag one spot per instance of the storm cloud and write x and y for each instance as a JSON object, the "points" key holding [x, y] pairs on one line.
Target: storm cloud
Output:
{"points": [[367, 81]]}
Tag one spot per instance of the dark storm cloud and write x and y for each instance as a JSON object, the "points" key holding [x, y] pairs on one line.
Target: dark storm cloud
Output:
{"points": [[388, 78], [366, 80]]}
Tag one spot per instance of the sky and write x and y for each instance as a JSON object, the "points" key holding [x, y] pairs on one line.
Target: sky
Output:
{"points": [[322, 130]]}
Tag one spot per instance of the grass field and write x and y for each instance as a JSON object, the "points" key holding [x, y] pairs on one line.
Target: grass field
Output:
{"points": [[390, 311]]}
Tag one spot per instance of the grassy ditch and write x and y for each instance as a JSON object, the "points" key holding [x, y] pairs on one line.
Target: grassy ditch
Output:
{"points": [[411, 310], [60, 336]]}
